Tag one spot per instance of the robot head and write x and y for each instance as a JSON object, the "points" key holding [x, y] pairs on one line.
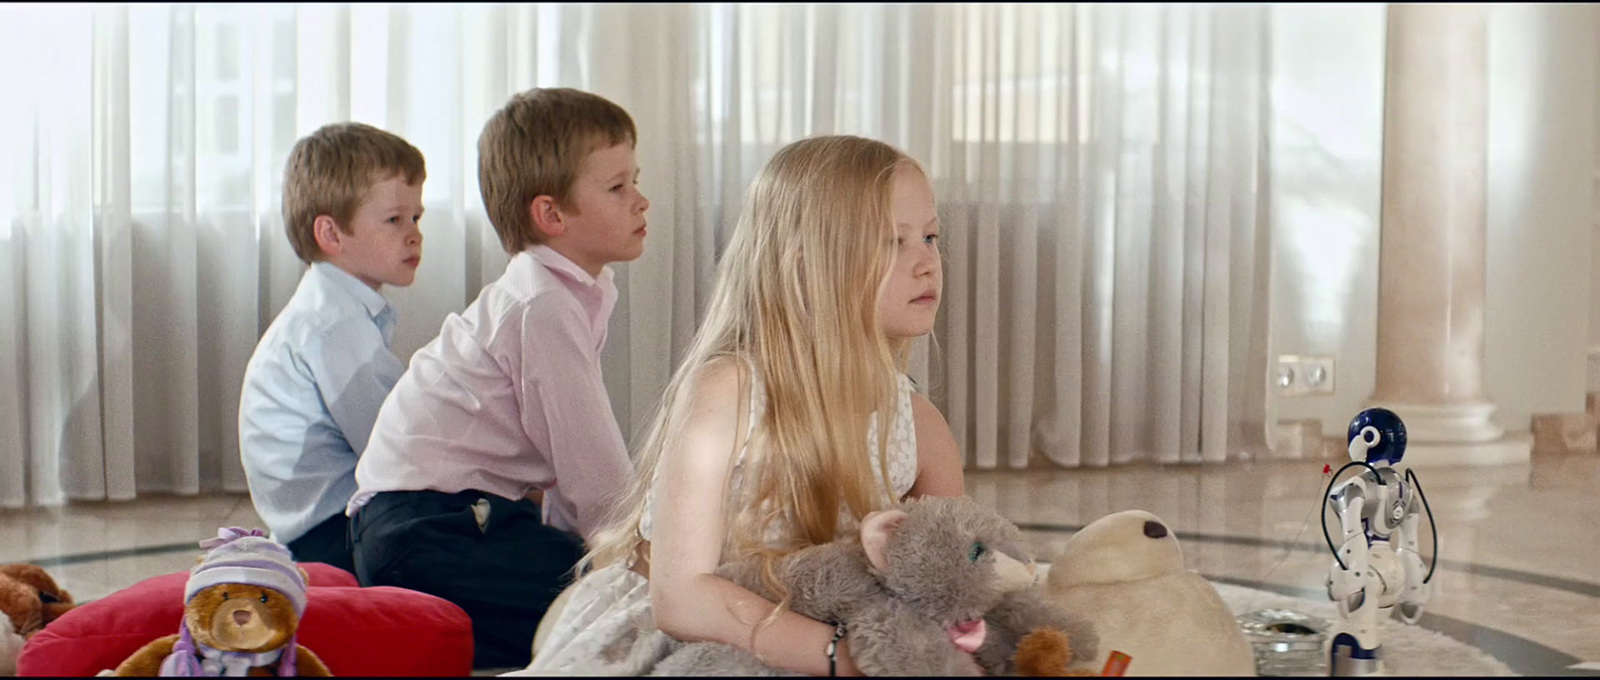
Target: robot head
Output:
{"points": [[1378, 435]]}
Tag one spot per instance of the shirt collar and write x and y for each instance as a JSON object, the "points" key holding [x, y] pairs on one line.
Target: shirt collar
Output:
{"points": [[340, 279], [559, 263]]}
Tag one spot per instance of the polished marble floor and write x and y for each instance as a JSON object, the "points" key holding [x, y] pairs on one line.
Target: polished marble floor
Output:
{"points": [[1518, 575]]}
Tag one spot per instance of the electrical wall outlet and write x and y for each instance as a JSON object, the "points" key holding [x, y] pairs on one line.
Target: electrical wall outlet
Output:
{"points": [[1303, 375]]}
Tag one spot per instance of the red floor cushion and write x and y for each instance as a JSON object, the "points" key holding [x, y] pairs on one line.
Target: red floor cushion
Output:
{"points": [[355, 631]]}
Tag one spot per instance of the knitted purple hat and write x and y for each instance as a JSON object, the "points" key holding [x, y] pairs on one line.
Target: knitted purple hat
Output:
{"points": [[245, 557], [248, 558]]}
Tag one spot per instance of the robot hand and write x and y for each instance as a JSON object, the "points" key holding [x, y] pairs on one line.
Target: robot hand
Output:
{"points": [[1347, 590], [1412, 602]]}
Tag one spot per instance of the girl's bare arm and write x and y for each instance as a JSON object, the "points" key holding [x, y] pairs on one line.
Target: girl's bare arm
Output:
{"points": [[939, 465], [689, 600]]}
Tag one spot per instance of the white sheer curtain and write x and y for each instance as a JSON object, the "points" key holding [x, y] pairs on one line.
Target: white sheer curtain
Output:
{"points": [[1108, 256], [1099, 170]]}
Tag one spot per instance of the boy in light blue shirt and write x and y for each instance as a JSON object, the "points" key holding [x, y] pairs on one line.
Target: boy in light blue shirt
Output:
{"points": [[352, 199]]}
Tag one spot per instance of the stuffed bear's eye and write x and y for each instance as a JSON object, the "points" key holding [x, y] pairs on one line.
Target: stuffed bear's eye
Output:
{"points": [[224, 594], [263, 598], [976, 551]]}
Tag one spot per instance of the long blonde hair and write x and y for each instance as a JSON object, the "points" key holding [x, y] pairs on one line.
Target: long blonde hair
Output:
{"points": [[796, 299]]}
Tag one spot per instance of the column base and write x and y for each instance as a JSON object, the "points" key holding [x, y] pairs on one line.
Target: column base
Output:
{"points": [[1465, 423], [1514, 449]]}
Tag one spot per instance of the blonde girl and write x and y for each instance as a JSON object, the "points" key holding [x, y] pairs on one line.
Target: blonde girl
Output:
{"points": [[789, 419]]}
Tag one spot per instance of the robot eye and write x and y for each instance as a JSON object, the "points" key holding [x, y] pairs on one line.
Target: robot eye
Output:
{"points": [[976, 551]]}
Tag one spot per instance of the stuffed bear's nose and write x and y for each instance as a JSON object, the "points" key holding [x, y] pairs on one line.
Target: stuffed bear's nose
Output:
{"points": [[241, 617], [1155, 530]]}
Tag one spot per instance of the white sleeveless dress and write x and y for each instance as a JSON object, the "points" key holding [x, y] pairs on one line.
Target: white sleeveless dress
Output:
{"points": [[608, 611]]}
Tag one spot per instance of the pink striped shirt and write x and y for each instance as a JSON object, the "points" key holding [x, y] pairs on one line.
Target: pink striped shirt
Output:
{"points": [[509, 398]]}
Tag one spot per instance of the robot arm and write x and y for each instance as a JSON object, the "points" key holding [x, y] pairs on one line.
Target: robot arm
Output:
{"points": [[1416, 592], [1348, 583]]}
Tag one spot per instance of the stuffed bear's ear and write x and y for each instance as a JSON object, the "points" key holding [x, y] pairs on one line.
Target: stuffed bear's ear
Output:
{"points": [[876, 530]]}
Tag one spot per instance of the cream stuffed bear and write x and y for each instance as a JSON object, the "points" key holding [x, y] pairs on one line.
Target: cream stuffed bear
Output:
{"points": [[1124, 572]]}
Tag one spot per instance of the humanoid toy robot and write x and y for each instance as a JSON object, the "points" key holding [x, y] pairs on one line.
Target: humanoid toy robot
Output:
{"points": [[1377, 566]]}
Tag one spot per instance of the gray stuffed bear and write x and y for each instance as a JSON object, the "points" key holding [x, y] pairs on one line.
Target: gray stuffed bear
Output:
{"points": [[939, 586]]}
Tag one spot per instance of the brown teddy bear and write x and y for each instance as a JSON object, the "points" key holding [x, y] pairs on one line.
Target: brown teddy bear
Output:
{"points": [[938, 586], [1047, 653], [30, 599], [242, 607]]}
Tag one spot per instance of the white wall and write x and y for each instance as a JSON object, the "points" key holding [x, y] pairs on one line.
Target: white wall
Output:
{"points": [[1327, 143], [1543, 62], [1542, 87]]}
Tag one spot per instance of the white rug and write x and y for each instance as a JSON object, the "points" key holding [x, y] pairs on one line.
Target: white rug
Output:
{"points": [[1408, 650]]}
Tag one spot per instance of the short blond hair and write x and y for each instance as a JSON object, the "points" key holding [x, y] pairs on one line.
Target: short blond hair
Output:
{"points": [[533, 146], [330, 171]]}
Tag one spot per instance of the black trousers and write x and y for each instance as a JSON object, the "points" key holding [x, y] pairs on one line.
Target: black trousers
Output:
{"points": [[504, 574], [328, 543]]}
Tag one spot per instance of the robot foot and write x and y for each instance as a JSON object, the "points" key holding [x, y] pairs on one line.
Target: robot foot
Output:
{"points": [[1349, 659]]}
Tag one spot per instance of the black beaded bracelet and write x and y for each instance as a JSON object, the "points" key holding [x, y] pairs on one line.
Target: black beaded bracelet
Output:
{"points": [[833, 650]]}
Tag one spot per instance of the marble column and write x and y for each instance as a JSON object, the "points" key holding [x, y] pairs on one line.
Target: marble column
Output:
{"points": [[1592, 399], [1432, 261]]}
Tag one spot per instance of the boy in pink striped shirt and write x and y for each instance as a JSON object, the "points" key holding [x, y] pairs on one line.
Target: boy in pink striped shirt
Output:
{"points": [[507, 407]]}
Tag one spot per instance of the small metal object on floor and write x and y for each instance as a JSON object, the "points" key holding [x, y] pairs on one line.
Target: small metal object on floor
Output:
{"points": [[1287, 643]]}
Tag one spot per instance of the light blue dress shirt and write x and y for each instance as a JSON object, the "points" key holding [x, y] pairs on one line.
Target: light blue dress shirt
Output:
{"points": [[311, 393]]}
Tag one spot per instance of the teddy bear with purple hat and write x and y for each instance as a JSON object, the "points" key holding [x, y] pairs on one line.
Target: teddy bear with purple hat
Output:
{"points": [[242, 608]]}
